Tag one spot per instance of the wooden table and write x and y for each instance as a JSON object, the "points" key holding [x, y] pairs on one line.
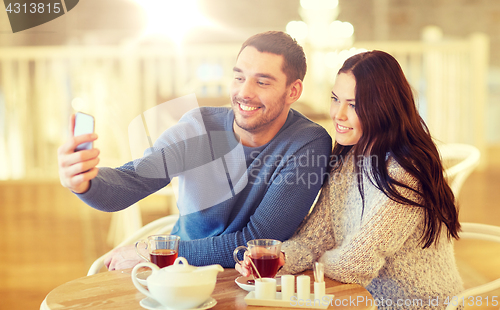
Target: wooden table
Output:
{"points": [[115, 290]]}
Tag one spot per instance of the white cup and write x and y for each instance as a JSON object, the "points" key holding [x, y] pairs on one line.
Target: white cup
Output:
{"points": [[303, 287], [287, 287], [319, 290], [265, 288]]}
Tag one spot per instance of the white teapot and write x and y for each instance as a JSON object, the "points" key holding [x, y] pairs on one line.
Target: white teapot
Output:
{"points": [[179, 286]]}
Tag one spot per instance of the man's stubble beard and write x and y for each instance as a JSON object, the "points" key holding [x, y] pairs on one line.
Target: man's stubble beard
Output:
{"points": [[261, 121]]}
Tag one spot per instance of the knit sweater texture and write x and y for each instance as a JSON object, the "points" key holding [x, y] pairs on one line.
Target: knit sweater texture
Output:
{"points": [[378, 247], [269, 198]]}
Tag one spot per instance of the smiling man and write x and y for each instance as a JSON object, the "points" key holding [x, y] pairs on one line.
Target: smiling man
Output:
{"points": [[284, 157], [261, 94]]}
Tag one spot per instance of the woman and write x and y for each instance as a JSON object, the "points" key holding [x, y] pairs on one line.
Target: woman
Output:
{"points": [[386, 216]]}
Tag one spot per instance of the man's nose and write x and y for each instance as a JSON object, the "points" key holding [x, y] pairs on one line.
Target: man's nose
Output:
{"points": [[247, 90]]}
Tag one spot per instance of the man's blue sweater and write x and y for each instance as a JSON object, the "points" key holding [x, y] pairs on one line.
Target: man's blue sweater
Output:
{"points": [[228, 193]]}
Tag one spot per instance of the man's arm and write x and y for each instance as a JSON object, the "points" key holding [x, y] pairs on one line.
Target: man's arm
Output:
{"points": [[115, 189], [286, 202]]}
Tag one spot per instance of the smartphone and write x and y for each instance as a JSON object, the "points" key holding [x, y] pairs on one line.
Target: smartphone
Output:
{"points": [[84, 123]]}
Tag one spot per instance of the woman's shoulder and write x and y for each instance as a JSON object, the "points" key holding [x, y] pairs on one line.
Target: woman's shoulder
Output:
{"points": [[396, 171], [372, 163], [411, 185]]}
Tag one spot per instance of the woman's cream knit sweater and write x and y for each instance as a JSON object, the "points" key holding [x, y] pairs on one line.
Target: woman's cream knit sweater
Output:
{"points": [[378, 248]]}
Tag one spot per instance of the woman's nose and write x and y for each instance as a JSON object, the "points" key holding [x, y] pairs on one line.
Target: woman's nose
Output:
{"points": [[341, 114]]}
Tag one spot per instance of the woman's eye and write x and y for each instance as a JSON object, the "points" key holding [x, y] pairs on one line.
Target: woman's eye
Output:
{"points": [[352, 105], [335, 99]]}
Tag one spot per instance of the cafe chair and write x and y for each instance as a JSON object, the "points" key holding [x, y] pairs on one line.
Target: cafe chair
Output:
{"points": [[459, 160], [160, 226], [477, 231], [125, 222]]}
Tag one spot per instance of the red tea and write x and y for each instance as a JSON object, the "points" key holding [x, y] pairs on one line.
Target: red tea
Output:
{"points": [[267, 265], [163, 257]]}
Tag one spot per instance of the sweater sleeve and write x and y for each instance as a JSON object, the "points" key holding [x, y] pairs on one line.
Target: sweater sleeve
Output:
{"points": [[286, 202], [115, 189], [312, 239], [383, 232]]}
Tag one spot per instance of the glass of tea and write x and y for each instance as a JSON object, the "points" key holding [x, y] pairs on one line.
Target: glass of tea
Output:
{"points": [[264, 254], [162, 249]]}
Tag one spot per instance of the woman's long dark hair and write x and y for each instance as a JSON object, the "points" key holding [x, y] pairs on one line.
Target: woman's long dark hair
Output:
{"points": [[392, 125]]}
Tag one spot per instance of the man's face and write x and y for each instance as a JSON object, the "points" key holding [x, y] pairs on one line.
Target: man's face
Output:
{"points": [[258, 91]]}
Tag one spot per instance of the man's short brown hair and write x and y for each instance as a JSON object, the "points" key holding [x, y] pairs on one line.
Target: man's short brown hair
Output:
{"points": [[280, 43]]}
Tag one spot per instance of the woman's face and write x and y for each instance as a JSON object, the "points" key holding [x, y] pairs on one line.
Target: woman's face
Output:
{"points": [[343, 112]]}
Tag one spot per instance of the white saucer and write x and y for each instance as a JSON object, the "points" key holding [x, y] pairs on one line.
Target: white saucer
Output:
{"points": [[152, 304], [143, 276], [242, 282]]}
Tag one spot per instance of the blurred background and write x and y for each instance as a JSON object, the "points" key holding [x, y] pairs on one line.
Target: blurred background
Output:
{"points": [[116, 59]]}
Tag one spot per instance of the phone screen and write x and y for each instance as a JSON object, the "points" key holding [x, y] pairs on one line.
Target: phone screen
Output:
{"points": [[84, 123]]}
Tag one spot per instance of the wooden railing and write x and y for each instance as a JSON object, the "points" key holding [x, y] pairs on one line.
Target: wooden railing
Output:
{"points": [[115, 84]]}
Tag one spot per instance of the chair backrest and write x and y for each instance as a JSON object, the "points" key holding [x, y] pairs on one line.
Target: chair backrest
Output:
{"points": [[480, 232], [459, 161], [160, 226]]}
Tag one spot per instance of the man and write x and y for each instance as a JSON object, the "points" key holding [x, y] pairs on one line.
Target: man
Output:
{"points": [[285, 158]]}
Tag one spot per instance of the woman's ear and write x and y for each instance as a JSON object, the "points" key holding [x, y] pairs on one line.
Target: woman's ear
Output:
{"points": [[294, 91]]}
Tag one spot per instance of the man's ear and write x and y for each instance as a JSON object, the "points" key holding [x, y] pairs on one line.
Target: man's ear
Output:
{"points": [[294, 91]]}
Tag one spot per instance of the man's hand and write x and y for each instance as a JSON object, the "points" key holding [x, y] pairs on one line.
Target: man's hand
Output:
{"points": [[122, 258], [245, 268], [76, 169]]}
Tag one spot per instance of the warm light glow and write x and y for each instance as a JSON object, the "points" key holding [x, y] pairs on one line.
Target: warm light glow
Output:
{"points": [[331, 59], [173, 18], [340, 29], [78, 104], [319, 4], [334, 60], [432, 34], [210, 72], [297, 29]]}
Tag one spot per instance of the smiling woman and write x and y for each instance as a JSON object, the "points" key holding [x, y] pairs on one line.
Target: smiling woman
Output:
{"points": [[386, 203], [343, 110]]}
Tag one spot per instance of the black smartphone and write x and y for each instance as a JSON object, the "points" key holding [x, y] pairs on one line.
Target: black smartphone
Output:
{"points": [[84, 123]]}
